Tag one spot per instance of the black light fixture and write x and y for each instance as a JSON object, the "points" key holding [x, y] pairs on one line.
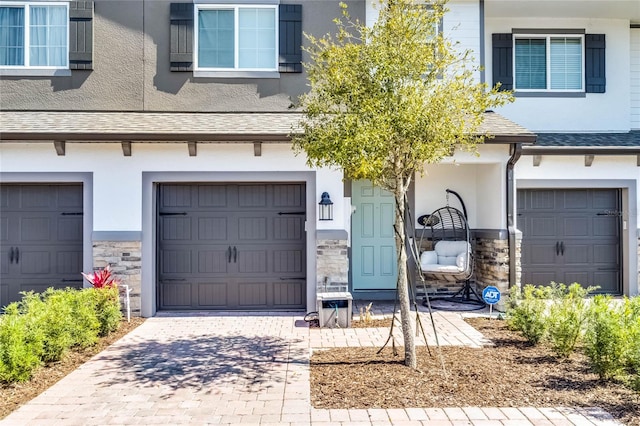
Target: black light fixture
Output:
{"points": [[326, 207]]}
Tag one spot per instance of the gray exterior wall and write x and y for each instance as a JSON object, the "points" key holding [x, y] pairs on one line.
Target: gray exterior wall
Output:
{"points": [[131, 68]]}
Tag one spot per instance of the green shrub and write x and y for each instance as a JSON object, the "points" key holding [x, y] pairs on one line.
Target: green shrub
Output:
{"points": [[567, 315], [107, 305], [526, 311], [20, 349], [56, 320], [605, 337], [631, 327], [85, 325]]}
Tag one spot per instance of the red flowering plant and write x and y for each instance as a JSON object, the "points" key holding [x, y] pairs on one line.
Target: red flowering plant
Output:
{"points": [[102, 278]]}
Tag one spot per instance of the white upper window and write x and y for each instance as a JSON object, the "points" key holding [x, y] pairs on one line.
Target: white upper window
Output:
{"points": [[34, 35], [549, 63], [236, 37]]}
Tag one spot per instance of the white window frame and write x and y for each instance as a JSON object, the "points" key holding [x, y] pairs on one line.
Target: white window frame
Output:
{"points": [[236, 57], [27, 35], [548, 38]]}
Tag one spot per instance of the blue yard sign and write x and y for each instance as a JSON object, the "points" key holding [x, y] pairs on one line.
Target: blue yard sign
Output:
{"points": [[491, 295]]}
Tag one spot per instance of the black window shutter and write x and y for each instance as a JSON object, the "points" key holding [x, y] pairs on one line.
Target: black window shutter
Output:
{"points": [[594, 63], [290, 38], [181, 54], [81, 35], [502, 45]]}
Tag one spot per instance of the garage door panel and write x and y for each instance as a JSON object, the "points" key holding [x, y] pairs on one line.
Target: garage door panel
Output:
{"points": [[35, 229], [176, 228], [69, 262], [582, 278], [288, 262], [213, 261], [288, 228], [289, 293], [176, 261], [37, 197], [212, 196], [541, 200], [69, 228], [69, 198], [175, 196], [252, 196], [606, 226], [176, 294], [604, 199], [538, 277], [252, 294], [542, 227], [288, 196], [578, 255], [212, 295], [574, 199], [35, 262], [606, 280], [252, 261], [212, 228], [540, 254], [252, 228], [576, 227], [606, 254], [4, 229]]}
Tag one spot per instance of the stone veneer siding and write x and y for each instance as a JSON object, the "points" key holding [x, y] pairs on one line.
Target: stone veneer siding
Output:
{"points": [[124, 258], [332, 265]]}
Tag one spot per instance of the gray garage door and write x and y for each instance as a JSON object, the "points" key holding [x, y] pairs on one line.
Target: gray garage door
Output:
{"points": [[40, 238], [571, 235], [231, 246]]}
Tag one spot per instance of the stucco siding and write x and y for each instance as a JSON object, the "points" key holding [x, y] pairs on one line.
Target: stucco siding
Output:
{"points": [[595, 111], [131, 68], [635, 78]]}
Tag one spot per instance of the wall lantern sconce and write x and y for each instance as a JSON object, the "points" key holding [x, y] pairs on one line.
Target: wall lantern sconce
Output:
{"points": [[326, 207]]}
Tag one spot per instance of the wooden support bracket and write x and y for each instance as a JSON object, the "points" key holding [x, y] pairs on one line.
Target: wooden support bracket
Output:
{"points": [[257, 149], [60, 147], [536, 160], [126, 148], [193, 148], [588, 160]]}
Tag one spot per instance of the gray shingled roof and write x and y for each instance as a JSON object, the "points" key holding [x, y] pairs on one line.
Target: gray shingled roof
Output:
{"points": [[630, 139], [179, 126]]}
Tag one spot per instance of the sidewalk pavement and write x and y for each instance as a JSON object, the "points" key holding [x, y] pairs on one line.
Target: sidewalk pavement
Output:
{"points": [[250, 369]]}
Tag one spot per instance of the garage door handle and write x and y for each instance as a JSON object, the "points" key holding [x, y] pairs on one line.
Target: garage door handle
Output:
{"points": [[229, 254], [235, 254], [290, 213], [17, 255], [174, 214], [174, 279], [71, 214], [11, 255], [292, 279], [71, 281], [557, 248], [562, 248]]}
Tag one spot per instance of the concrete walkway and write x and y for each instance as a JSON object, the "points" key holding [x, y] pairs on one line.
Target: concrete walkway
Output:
{"points": [[245, 369]]}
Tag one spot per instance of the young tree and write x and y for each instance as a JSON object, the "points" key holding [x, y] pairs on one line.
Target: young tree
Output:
{"points": [[386, 100]]}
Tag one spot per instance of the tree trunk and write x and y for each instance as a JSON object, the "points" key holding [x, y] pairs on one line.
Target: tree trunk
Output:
{"points": [[410, 359]]}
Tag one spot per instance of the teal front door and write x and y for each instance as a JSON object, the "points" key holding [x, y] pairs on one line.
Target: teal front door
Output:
{"points": [[373, 247]]}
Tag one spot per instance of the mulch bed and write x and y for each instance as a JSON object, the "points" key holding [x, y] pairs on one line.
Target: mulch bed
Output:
{"points": [[16, 394], [511, 373]]}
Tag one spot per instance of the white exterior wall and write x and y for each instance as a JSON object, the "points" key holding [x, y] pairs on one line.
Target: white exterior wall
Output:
{"points": [[635, 78], [597, 112], [480, 181], [117, 180]]}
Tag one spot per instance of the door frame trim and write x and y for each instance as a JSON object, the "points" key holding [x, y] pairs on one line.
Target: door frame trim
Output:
{"points": [[51, 178], [629, 195], [150, 181]]}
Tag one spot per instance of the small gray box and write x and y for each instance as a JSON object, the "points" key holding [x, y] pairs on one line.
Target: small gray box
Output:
{"points": [[334, 309]]}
